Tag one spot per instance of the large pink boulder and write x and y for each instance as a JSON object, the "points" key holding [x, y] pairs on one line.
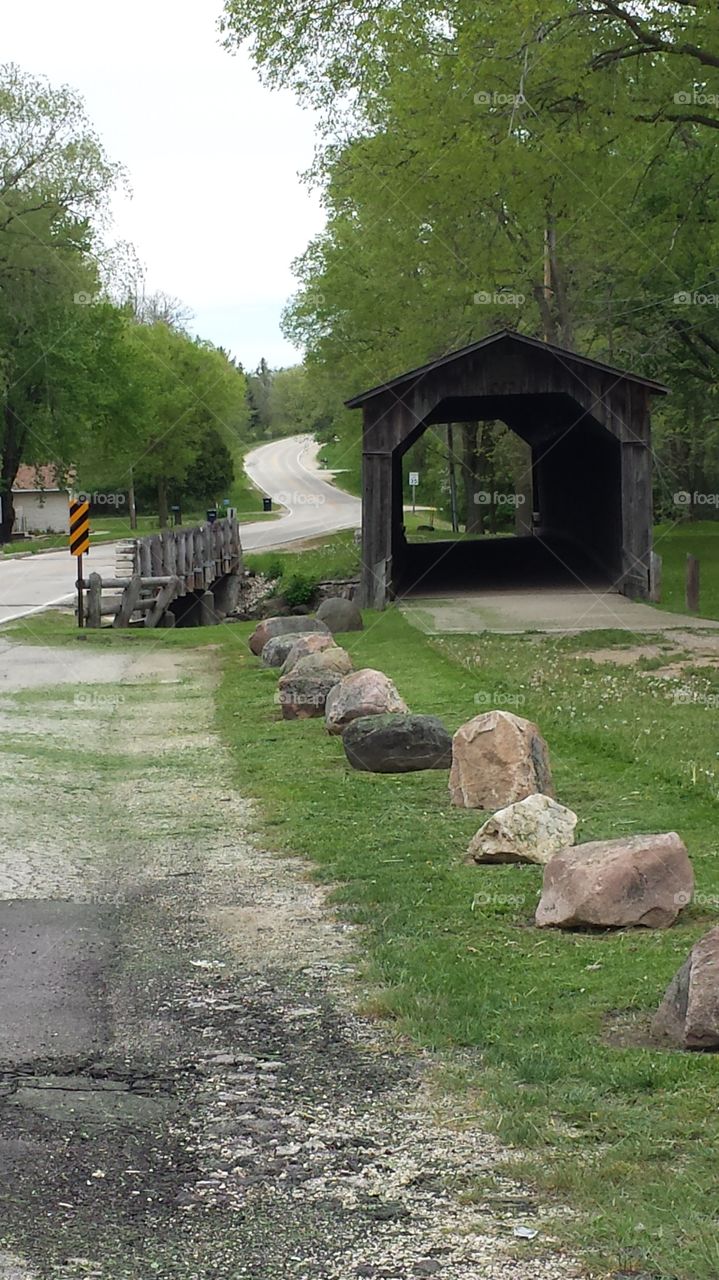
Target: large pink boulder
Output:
{"points": [[312, 642], [497, 759], [614, 884], [363, 693], [272, 627], [689, 1013]]}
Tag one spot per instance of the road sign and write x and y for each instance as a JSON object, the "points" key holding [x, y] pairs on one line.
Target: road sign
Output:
{"points": [[413, 479], [79, 527]]}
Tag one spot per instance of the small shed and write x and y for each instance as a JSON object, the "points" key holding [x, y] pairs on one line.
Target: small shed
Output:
{"points": [[41, 503], [587, 426]]}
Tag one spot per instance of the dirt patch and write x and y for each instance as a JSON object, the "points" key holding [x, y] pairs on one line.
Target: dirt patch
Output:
{"points": [[680, 651]]}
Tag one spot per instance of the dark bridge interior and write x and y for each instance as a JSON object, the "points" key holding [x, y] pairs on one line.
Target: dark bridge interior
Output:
{"points": [[587, 427], [575, 516]]}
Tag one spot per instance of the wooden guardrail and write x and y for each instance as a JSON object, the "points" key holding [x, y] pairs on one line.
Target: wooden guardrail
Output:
{"points": [[154, 571]]}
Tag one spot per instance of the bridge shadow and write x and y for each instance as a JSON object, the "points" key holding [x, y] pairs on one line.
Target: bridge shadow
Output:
{"points": [[509, 563]]}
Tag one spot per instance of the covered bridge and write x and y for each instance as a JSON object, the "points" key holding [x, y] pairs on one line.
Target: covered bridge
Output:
{"points": [[587, 426]]}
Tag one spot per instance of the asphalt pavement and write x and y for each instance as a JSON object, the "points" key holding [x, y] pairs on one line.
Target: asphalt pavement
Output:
{"points": [[286, 470]]}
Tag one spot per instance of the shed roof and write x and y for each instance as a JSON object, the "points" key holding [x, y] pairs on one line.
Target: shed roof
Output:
{"points": [[41, 479], [505, 335]]}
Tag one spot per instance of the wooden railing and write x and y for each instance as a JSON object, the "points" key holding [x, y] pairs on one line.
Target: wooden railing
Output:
{"points": [[154, 571]]}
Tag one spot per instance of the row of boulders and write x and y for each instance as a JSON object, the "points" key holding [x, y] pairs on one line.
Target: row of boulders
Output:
{"points": [[500, 762]]}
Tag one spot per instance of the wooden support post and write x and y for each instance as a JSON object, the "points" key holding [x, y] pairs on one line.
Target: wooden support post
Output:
{"points": [[692, 584], [94, 600], [655, 578], [208, 617], [159, 608], [129, 601]]}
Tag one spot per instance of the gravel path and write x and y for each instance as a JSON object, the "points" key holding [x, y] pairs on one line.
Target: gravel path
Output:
{"points": [[231, 1116]]}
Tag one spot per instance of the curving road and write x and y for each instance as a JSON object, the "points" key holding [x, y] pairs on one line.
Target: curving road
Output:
{"points": [[287, 470]]}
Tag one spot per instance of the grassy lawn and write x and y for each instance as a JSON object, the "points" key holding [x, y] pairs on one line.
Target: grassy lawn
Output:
{"points": [[626, 1136], [336, 557], [673, 544]]}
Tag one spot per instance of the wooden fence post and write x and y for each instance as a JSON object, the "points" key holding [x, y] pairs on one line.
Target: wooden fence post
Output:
{"points": [[655, 578], [692, 584], [94, 600]]}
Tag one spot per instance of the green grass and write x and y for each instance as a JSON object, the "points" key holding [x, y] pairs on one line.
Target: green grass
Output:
{"points": [[626, 1136], [336, 557], [346, 460], [674, 543]]}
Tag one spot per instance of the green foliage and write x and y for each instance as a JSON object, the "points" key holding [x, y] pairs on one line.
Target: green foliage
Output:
{"points": [[550, 170], [299, 589], [63, 365], [274, 568]]}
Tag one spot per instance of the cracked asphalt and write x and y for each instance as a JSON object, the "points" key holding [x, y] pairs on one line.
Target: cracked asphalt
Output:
{"points": [[186, 1088]]}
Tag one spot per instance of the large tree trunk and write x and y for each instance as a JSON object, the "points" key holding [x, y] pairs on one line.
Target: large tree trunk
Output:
{"points": [[162, 508], [12, 446]]}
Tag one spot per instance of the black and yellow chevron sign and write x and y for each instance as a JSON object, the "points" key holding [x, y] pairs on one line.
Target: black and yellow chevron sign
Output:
{"points": [[79, 528]]}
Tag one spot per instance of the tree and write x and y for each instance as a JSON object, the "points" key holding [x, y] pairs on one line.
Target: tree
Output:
{"points": [[189, 389], [61, 357], [212, 470], [559, 189]]}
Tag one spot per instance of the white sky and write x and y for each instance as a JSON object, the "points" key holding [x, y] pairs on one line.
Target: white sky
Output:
{"points": [[217, 212]]}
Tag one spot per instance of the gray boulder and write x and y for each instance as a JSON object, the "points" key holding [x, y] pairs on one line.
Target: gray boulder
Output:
{"points": [[271, 627], [688, 1016], [340, 614], [276, 651], [397, 743]]}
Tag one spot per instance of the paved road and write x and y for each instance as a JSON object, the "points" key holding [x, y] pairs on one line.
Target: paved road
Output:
{"points": [[287, 470]]}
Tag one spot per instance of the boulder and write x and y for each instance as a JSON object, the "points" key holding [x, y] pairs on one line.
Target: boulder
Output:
{"points": [[302, 695], [363, 693], [532, 830], [397, 743], [277, 649], [277, 626], [689, 1013], [497, 759], [312, 642], [340, 615], [331, 659], [613, 884]]}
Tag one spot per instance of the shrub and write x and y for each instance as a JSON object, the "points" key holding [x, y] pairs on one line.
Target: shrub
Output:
{"points": [[274, 569], [299, 589]]}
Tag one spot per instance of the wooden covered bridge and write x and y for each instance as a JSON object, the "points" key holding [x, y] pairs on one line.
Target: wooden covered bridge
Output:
{"points": [[588, 428]]}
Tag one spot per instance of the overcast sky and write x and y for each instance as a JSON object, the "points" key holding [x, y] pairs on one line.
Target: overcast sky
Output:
{"points": [[217, 212]]}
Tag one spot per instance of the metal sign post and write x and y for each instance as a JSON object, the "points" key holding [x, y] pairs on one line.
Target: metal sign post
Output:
{"points": [[413, 482], [79, 544]]}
